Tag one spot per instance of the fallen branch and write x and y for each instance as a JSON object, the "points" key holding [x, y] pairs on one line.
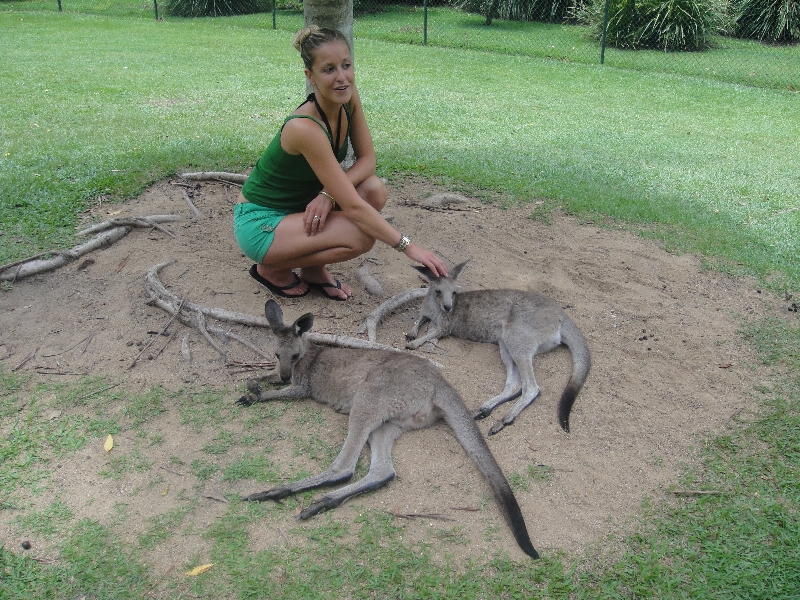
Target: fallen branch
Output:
{"points": [[697, 492], [148, 221], [370, 324], [194, 315], [419, 516], [214, 175], [192, 207], [59, 259]]}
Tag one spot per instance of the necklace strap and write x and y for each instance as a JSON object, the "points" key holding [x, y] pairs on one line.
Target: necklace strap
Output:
{"points": [[334, 146]]}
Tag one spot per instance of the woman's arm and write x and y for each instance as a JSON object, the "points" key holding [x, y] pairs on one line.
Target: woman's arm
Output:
{"points": [[302, 136]]}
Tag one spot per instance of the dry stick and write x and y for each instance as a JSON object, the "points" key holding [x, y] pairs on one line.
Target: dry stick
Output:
{"points": [[155, 337], [211, 175], [87, 339], [36, 266], [108, 387], [697, 492], [22, 364], [420, 516], [374, 319], [148, 221], [188, 200]]}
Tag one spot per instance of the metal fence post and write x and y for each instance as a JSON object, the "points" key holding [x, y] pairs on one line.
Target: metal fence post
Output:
{"points": [[274, 22], [59, 5], [425, 23], [155, 7], [603, 37]]}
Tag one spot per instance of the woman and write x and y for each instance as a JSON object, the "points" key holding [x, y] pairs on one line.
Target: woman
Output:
{"points": [[299, 208]]}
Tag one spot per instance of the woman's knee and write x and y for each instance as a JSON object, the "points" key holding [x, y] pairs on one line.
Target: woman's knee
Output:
{"points": [[374, 191]]}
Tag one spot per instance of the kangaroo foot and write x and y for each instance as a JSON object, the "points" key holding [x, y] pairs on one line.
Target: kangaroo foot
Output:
{"points": [[481, 413], [274, 494], [498, 427], [319, 506], [247, 400]]}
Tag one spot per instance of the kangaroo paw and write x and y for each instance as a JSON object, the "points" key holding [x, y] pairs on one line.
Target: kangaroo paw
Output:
{"points": [[481, 413], [410, 338], [247, 400], [498, 427], [273, 494], [319, 506], [253, 385]]}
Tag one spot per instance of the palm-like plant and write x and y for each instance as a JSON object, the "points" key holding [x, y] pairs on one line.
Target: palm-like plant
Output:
{"points": [[767, 20], [212, 8], [667, 25]]}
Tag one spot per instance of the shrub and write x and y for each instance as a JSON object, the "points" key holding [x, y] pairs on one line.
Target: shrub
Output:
{"points": [[215, 8], [546, 11], [767, 20], [668, 25]]}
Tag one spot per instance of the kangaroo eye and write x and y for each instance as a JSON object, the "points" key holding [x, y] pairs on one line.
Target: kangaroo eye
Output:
{"points": [[295, 356], [438, 292]]}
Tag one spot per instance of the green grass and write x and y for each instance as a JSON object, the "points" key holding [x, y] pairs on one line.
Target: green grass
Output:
{"points": [[93, 108]]}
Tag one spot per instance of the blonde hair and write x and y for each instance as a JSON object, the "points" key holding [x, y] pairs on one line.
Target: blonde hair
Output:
{"points": [[309, 39]]}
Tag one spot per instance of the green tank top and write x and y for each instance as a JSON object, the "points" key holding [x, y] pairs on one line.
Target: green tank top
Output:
{"points": [[286, 181]]}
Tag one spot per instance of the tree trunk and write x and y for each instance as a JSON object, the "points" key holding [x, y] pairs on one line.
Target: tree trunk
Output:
{"points": [[330, 13], [492, 12]]}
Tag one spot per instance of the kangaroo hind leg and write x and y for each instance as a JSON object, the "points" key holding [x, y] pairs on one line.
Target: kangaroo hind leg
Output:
{"points": [[523, 359], [341, 469], [511, 390], [381, 472]]}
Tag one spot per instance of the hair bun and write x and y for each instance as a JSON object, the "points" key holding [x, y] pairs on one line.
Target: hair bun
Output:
{"points": [[301, 36]]}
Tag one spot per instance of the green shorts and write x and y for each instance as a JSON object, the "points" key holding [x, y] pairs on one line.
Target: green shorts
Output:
{"points": [[254, 228]]}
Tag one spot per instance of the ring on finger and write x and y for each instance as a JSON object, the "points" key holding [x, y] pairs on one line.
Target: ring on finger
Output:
{"points": [[316, 218]]}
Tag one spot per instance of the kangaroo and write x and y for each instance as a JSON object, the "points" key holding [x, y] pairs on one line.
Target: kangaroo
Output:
{"points": [[386, 394], [523, 324]]}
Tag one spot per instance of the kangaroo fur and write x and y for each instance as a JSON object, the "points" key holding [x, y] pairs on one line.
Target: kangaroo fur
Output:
{"points": [[385, 394], [522, 323]]}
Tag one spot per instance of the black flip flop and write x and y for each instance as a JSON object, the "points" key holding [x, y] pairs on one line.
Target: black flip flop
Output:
{"points": [[278, 290], [321, 287]]}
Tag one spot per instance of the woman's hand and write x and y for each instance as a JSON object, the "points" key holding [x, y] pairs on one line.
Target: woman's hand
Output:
{"points": [[427, 258], [316, 214]]}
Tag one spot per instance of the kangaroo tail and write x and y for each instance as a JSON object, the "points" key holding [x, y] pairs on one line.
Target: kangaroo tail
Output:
{"points": [[581, 363], [467, 433]]}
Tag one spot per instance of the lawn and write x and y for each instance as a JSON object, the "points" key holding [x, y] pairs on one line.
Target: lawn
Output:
{"points": [[93, 108]]}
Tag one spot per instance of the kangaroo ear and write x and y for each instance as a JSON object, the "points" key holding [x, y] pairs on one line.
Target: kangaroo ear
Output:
{"points": [[456, 272], [303, 324], [426, 272], [274, 314]]}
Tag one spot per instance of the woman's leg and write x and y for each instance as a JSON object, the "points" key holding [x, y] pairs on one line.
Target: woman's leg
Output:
{"points": [[341, 240]]}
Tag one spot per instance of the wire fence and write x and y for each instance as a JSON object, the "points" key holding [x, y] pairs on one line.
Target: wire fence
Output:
{"points": [[442, 23]]}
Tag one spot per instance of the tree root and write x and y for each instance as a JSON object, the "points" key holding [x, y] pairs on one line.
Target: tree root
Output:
{"points": [[36, 265], [151, 221], [236, 178], [195, 316], [107, 232], [370, 324]]}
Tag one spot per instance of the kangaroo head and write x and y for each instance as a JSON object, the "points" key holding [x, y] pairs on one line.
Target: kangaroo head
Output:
{"points": [[291, 345], [442, 290]]}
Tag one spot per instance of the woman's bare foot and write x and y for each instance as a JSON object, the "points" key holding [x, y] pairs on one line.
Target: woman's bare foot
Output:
{"points": [[281, 282], [319, 278]]}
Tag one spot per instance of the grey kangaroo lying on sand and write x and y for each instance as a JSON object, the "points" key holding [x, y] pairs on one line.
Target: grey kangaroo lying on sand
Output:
{"points": [[523, 324], [386, 394]]}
